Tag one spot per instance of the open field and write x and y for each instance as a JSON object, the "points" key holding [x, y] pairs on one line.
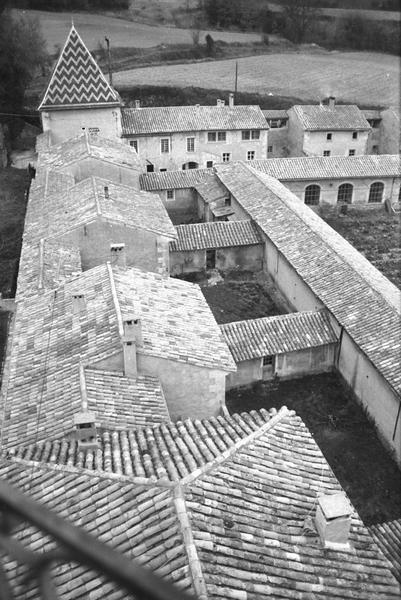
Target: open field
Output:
{"points": [[344, 435], [338, 13], [366, 78], [93, 29]]}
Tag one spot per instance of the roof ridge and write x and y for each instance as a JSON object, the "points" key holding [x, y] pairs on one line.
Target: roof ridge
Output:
{"points": [[277, 317], [227, 454], [53, 466], [194, 562]]}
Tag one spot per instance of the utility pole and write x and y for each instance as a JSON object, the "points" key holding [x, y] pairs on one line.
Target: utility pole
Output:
{"points": [[109, 60], [236, 76]]}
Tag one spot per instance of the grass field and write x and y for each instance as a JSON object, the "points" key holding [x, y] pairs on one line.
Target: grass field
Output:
{"points": [[93, 29], [360, 77]]}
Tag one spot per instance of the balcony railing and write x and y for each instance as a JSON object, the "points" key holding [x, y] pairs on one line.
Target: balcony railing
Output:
{"points": [[73, 545]]}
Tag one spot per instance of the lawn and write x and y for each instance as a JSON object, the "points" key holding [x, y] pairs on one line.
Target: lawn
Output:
{"points": [[346, 438], [365, 78], [13, 183], [376, 235]]}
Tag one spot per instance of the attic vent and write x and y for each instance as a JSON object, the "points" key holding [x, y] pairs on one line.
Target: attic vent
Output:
{"points": [[78, 303], [106, 192], [85, 430], [118, 256], [333, 520]]}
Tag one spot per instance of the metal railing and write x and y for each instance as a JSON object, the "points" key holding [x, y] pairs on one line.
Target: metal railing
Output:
{"points": [[73, 545]]}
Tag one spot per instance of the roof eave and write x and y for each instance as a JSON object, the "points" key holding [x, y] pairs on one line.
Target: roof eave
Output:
{"points": [[50, 107]]}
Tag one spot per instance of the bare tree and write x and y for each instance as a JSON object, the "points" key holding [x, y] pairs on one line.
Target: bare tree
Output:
{"points": [[299, 16]]}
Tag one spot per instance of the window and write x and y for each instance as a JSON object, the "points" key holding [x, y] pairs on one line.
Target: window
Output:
{"points": [[375, 149], [170, 194], [227, 201], [209, 164], [274, 123], [165, 145], [251, 155], [345, 193], [226, 157], [216, 136], [329, 137], [267, 361], [162, 170], [190, 144], [326, 152], [250, 134], [134, 144], [312, 195], [150, 168], [255, 134], [351, 152], [354, 135], [246, 135], [376, 192], [270, 149]]}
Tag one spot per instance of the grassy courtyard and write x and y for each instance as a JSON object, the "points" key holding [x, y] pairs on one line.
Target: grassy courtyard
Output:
{"points": [[345, 436]]}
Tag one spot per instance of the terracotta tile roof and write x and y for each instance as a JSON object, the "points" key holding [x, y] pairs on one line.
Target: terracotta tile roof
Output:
{"points": [[96, 198], [365, 302], [248, 521], [174, 180], [77, 149], [45, 265], [169, 451], [51, 340], [220, 234], [77, 80], [211, 190], [174, 119], [330, 167], [387, 536], [123, 402], [275, 114], [315, 117], [139, 522], [233, 526], [276, 335]]}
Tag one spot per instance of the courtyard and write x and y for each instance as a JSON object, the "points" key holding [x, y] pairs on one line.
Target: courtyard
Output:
{"points": [[345, 436]]}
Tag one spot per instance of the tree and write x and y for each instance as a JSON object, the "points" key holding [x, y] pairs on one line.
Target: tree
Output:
{"points": [[22, 53], [299, 16]]}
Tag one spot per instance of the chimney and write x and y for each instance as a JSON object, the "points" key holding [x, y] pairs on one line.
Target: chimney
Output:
{"points": [[130, 364], [231, 100], [85, 430], [332, 102], [137, 104], [118, 256], [333, 520], [133, 330], [78, 303]]}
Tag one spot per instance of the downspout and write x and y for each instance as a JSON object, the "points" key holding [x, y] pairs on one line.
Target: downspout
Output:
{"points": [[396, 421]]}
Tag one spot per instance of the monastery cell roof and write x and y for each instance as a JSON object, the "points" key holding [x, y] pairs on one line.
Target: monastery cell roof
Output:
{"points": [[84, 146], [319, 117], [220, 234], [365, 302], [51, 340], [330, 167], [279, 334], [174, 119], [232, 523], [96, 198], [77, 81]]}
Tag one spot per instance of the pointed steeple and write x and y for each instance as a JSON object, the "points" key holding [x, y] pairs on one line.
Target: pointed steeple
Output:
{"points": [[77, 81]]}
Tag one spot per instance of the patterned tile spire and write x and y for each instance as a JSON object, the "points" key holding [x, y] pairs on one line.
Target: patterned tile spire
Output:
{"points": [[77, 80]]}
